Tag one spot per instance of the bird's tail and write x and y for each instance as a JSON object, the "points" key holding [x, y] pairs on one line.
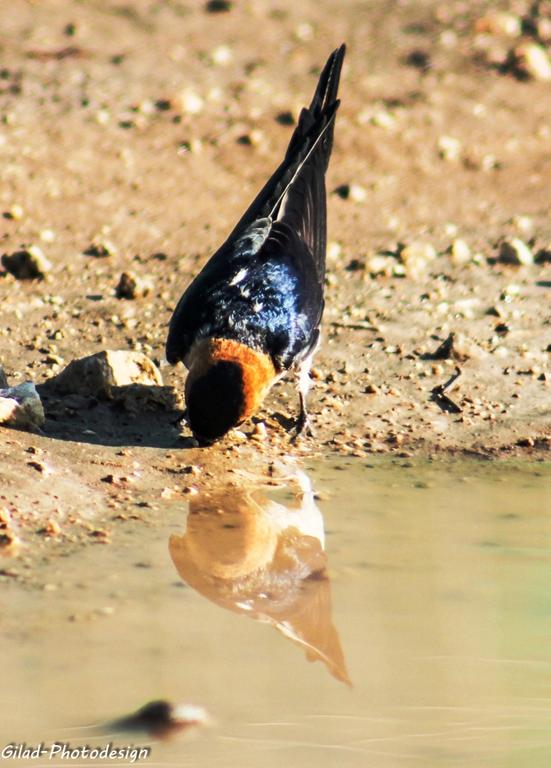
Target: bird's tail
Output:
{"points": [[295, 194]]}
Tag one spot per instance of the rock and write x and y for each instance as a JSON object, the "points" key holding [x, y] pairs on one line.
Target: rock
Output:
{"points": [[515, 251], [380, 264], [460, 253], [543, 256], [99, 374], [449, 148], [10, 544], [222, 55], [100, 249], [188, 103], [499, 23], [15, 212], [27, 264], [353, 192], [131, 286], [21, 407], [3, 379], [416, 256], [530, 60], [218, 6]]}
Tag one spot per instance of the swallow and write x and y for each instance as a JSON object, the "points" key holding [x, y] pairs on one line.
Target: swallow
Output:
{"points": [[253, 313]]}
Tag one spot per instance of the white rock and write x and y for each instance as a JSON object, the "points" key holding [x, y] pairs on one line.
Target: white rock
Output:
{"points": [[21, 406], [515, 251], [357, 193], [460, 253], [380, 264], [531, 60], [189, 102], [449, 148]]}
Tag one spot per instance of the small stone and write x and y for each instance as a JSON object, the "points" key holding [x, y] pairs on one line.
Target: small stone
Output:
{"points": [[334, 250], [380, 264], [515, 251], [188, 102], [460, 253], [27, 264], [100, 249], [3, 379], [449, 149], [499, 23], [304, 32], [10, 544], [218, 6], [98, 375], [543, 256], [371, 389], [14, 212], [416, 256], [357, 193], [523, 224], [52, 528], [259, 433], [47, 235], [130, 286], [530, 60], [222, 55], [383, 119], [21, 407]]}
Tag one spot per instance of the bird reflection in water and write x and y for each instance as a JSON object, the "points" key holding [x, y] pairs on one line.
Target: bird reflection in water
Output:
{"points": [[253, 555]]}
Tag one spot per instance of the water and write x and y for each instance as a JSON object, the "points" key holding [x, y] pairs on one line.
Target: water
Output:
{"points": [[402, 618]]}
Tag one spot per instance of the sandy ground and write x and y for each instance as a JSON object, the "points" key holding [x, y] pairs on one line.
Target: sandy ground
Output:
{"points": [[138, 132]]}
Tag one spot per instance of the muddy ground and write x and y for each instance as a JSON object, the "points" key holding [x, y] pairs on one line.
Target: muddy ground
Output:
{"points": [[132, 137]]}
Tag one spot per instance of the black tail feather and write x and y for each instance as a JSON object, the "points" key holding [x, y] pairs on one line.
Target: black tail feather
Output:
{"points": [[295, 193]]}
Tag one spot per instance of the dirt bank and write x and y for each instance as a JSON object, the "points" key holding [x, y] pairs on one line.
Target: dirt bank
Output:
{"points": [[133, 136]]}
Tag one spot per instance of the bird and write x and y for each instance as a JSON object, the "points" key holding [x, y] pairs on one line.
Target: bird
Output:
{"points": [[252, 315]]}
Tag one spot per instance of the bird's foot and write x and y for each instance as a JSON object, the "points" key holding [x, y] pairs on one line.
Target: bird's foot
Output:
{"points": [[302, 426]]}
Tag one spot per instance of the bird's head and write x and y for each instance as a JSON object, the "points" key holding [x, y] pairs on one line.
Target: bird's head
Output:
{"points": [[226, 383]]}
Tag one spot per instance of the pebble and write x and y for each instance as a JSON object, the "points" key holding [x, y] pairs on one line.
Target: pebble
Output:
{"points": [[188, 102], [460, 252], [222, 55], [101, 249], [380, 264], [3, 379], [27, 264], [499, 23], [15, 212], [416, 256], [130, 286], [334, 250], [354, 192], [543, 256], [523, 224], [259, 433], [449, 149], [218, 6], [515, 251], [47, 235], [530, 60]]}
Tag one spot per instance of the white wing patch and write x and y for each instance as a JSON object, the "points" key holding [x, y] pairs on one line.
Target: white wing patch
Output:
{"points": [[239, 277]]}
